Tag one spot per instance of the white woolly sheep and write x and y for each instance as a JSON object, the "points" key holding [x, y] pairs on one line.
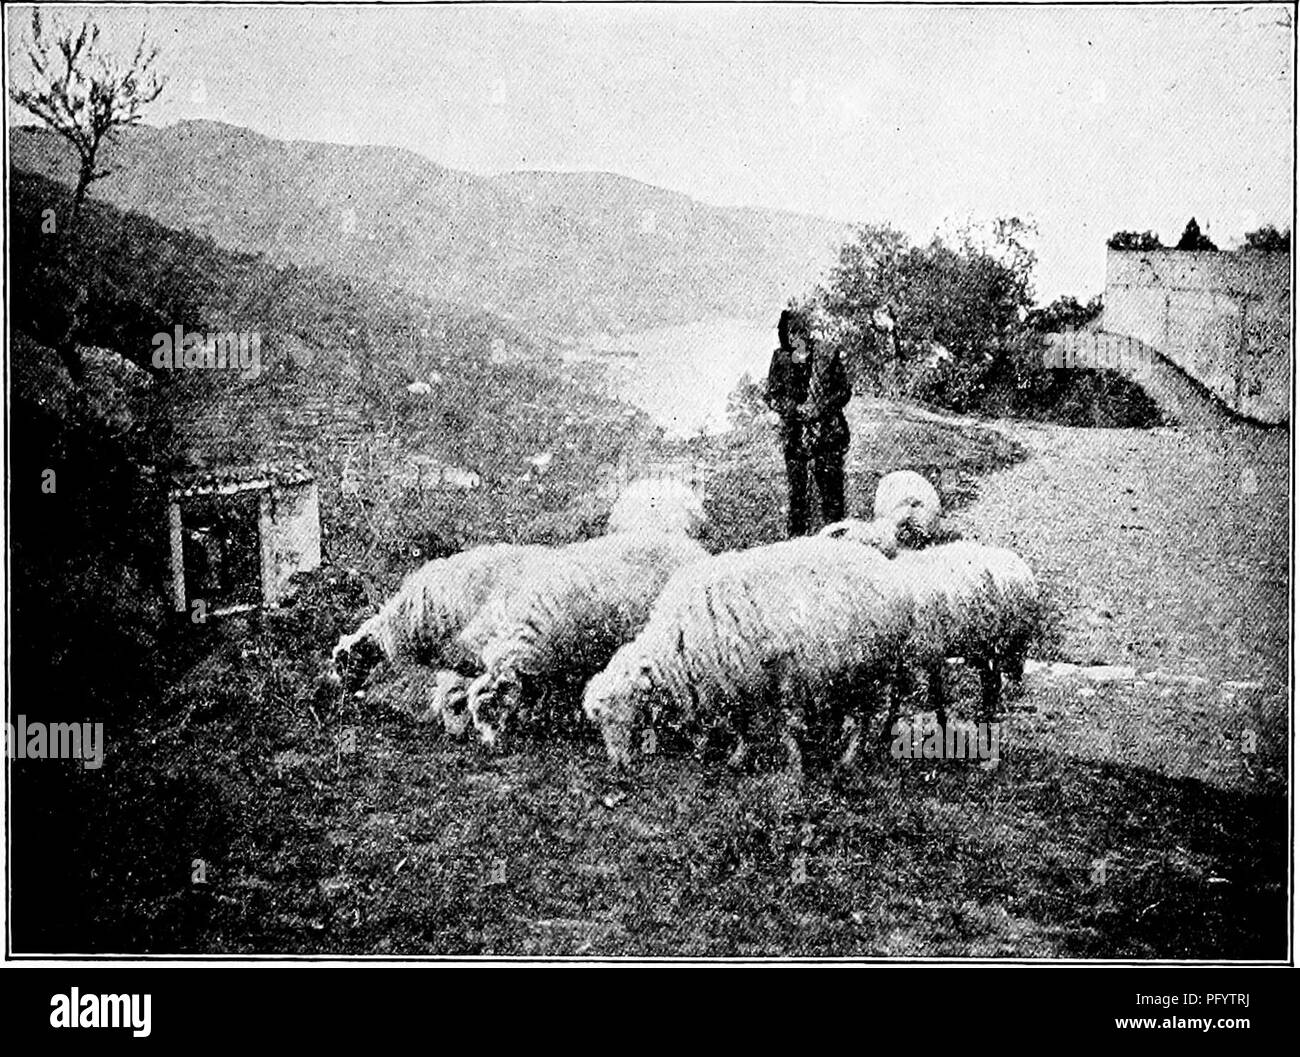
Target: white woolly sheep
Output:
{"points": [[658, 505], [771, 637], [436, 603], [910, 501], [973, 601], [431, 607], [564, 621]]}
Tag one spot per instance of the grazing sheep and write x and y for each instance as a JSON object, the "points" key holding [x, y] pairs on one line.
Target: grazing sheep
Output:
{"points": [[434, 604], [658, 505], [882, 534], [911, 502], [973, 601], [430, 608], [564, 621], [756, 642]]}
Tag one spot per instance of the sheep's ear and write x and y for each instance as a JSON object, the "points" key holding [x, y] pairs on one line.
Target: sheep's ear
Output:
{"points": [[643, 674]]}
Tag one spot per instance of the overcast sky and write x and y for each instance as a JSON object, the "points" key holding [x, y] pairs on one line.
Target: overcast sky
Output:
{"points": [[1085, 119]]}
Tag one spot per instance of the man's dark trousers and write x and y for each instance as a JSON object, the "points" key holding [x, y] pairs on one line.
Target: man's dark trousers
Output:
{"points": [[827, 469]]}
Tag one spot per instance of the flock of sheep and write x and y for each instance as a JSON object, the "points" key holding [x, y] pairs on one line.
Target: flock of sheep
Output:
{"points": [[766, 651]]}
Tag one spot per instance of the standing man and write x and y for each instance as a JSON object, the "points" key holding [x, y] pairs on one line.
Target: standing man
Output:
{"points": [[808, 388]]}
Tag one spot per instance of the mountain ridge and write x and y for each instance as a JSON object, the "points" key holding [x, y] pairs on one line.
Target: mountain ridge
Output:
{"points": [[566, 252]]}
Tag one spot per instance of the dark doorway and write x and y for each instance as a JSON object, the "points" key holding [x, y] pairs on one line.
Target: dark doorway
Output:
{"points": [[222, 550]]}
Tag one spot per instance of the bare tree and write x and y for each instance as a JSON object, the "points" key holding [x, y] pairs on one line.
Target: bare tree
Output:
{"points": [[82, 94]]}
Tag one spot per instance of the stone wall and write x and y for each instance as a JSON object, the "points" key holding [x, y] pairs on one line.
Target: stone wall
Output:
{"points": [[294, 533]]}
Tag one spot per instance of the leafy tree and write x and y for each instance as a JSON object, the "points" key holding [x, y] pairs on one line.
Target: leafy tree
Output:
{"points": [[1192, 239], [1134, 240], [870, 273], [951, 322], [1269, 239], [892, 305], [745, 403], [83, 94]]}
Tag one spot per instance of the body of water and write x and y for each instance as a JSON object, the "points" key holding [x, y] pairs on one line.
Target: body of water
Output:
{"points": [[682, 375]]}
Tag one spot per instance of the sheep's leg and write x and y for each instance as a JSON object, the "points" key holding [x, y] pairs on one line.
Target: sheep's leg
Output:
{"points": [[771, 720], [894, 695], [737, 726], [934, 695], [892, 718], [990, 688], [792, 726], [544, 716], [784, 725], [534, 704], [558, 712], [870, 696], [617, 736], [1013, 664], [518, 705], [852, 731], [790, 779]]}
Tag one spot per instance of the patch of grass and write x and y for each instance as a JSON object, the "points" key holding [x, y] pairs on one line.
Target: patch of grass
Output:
{"points": [[745, 478], [414, 843]]}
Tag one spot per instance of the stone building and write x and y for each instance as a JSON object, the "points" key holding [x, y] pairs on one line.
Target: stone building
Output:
{"points": [[238, 535], [1223, 318]]}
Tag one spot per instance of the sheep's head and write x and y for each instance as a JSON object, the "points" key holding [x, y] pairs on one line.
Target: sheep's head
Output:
{"points": [[659, 505], [912, 520], [451, 702], [494, 700], [618, 701], [351, 661], [881, 534]]}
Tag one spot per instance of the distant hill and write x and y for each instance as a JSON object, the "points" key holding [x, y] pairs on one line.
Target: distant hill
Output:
{"points": [[561, 252], [337, 356]]}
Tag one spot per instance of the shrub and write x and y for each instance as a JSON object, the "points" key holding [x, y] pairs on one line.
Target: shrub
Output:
{"points": [[1269, 239], [1065, 313], [1134, 240], [1193, 239]]}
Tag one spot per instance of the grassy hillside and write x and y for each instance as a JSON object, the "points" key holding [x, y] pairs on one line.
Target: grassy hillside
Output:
{"points": [[337, 357], [561, 251], [142, 276], [89, 559], [94, 637]]}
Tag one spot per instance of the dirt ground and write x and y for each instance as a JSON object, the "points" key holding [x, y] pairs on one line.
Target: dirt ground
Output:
{"points": [[1168, 549]]}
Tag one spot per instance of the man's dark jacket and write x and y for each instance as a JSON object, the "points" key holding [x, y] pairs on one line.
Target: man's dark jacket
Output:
{"points": [[810, 398]]}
